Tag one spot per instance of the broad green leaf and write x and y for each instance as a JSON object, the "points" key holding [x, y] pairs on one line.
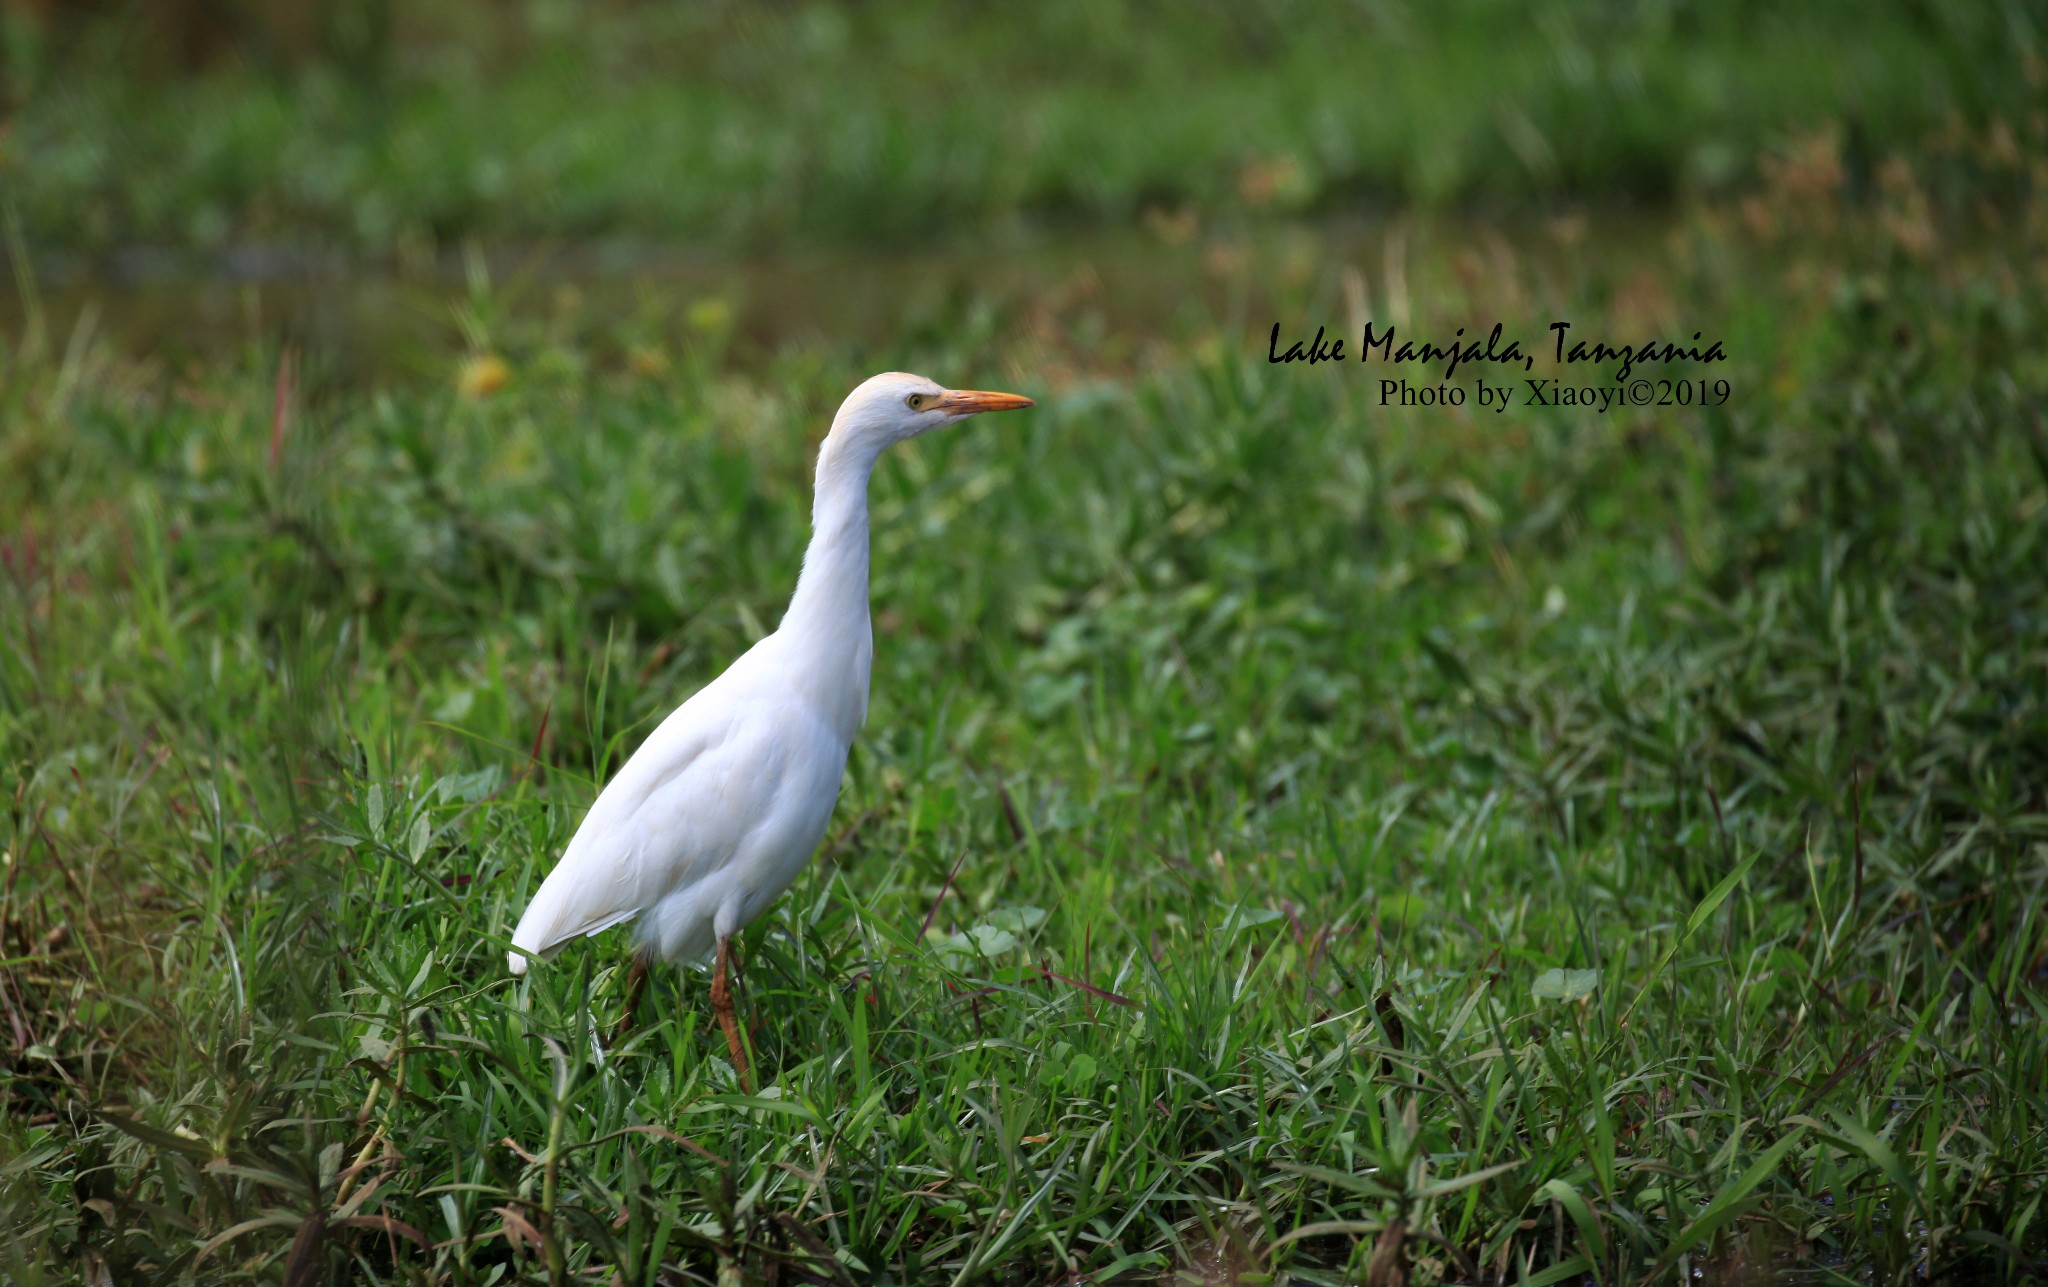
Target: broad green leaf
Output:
{"points": [[1564, 985], [1242, 918], [1015, 919]]}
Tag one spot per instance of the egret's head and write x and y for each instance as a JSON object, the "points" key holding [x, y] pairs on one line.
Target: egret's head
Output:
{"points": [[894, 406]]}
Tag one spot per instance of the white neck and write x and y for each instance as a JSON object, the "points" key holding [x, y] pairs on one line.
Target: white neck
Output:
{"points": [[827, 622]]}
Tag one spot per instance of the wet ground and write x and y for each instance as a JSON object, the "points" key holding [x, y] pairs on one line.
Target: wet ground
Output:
{"points": [[1164, 281]]}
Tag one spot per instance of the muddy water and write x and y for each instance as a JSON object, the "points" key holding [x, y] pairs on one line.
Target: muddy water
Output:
{"points": [[1163, 280]]}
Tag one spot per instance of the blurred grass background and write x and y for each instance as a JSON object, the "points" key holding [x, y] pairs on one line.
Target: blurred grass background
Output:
{"points": [[370, 125], [1294, 839]]}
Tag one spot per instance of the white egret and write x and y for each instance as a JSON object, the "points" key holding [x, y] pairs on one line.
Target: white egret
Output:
{"points": [[720, 808]]}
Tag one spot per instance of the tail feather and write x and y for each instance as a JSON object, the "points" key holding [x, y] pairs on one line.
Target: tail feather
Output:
{"points": [[552, 919]]}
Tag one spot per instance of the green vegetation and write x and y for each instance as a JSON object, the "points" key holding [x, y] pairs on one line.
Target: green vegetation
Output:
{"points": [[1288, 832], [738, 123], [1294, 839]]}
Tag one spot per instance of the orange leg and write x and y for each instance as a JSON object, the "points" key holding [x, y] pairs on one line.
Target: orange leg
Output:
{"points": [[721, 1006]]}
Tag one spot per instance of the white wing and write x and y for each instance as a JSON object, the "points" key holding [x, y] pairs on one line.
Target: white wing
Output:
{"points": [[674, 812]]}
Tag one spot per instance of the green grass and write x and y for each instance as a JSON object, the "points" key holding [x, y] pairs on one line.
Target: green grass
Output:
{"points": [[743, 126], [1520, 847]]}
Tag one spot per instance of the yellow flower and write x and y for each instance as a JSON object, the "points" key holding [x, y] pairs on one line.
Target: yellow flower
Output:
{"points": [[482, 375]]}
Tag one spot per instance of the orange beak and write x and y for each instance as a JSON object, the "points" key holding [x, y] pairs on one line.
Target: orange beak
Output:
{"points": [[968, 402]]}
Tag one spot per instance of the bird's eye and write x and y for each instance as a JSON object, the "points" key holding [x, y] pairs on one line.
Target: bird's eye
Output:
{"points": [[915, 401]]}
